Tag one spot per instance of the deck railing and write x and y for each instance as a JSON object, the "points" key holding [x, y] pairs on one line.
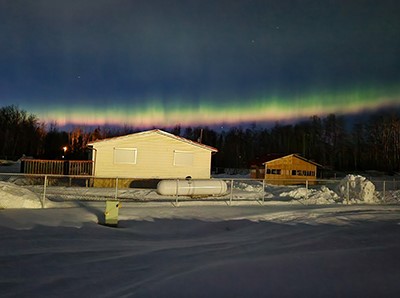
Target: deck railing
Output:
{"points": [[57, 167]]}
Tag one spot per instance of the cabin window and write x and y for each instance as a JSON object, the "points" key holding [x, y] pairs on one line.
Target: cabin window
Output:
{"points": [[125, 155], [274, 171], [183, 158]]}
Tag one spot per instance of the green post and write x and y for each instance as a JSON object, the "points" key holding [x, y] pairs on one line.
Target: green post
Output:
{"points": [[111, 213]]}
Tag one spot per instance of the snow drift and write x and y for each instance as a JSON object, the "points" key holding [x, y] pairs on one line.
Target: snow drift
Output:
{"points": [[13, 196], [287, 250]]}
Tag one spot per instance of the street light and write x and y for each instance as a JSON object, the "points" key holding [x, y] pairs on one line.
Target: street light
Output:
{"points": [[65, 148]]}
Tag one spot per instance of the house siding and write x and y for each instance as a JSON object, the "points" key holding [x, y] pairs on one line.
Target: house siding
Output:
{"points": [[155, 158]]}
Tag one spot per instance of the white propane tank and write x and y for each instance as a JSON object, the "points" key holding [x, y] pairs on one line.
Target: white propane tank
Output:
{"points": [[191, 187]]}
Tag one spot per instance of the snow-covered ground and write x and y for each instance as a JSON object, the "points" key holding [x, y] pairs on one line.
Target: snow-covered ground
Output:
{"points": [[282, 248], [201, 250]]}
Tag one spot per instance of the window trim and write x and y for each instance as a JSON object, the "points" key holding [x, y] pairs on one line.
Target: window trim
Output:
{"points": [[134, 150], [174, 163]]}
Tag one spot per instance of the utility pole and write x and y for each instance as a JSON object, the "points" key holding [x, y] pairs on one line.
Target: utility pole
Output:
{"points": [[200, 139]]}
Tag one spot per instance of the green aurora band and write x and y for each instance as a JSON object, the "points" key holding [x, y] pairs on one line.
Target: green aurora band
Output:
{"points": [[262, 108]]}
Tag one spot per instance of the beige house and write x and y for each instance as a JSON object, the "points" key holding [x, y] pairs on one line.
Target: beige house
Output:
{"points": [[153, 154], [290, 169]]}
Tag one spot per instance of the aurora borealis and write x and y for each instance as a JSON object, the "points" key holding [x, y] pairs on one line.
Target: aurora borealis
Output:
{"points": [[166, 63]]}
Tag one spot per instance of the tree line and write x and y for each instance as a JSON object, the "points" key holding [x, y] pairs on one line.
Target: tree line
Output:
{"points": [[332, 141]]}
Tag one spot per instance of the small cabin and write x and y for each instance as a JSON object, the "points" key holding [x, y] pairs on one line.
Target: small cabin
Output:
{"points": [[290, 169], [153, 154], [257, 166]]}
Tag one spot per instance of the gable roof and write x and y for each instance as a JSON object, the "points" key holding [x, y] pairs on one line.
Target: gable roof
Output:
{"points": [[297, 156], [261, 160], [160, 132]]}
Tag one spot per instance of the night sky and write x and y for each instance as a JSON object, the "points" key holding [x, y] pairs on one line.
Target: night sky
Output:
{"points": [[206, 62]]}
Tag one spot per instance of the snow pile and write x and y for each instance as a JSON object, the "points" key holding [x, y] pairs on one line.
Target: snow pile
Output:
{"points": [[19, 180], [13, 196], [298, 193], [328, 195], [357, 189], [250, 188], [322, 196]]}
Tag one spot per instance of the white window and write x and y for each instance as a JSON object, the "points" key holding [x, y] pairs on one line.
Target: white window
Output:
{"points": [[183, 158], [125, 155]]}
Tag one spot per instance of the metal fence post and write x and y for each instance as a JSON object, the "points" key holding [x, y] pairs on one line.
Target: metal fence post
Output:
{"points": [[384, 190], [348, 192], [231, 196], [116, 188], [306, 189], [176, 193], [44, 191], [263, 192]]}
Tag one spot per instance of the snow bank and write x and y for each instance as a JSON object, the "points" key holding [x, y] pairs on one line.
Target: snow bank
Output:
{"points": [[13, 196], [355, 188], [313, 196], [358, 189]]}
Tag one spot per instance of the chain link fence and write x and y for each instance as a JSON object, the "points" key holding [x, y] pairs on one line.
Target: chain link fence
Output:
{"points": [[60, 188]]}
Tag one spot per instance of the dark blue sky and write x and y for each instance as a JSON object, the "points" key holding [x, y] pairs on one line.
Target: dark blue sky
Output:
{"points": [[159, 62]]}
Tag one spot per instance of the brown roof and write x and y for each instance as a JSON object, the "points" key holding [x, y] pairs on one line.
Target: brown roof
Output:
{"points": [[295, 155]]}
